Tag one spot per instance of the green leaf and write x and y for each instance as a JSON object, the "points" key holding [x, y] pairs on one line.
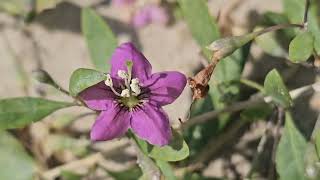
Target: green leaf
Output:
{"points": [[166, 170], [301, 47], [100, 39], [294, 9], [19, 112], [128, 174], [270, 44], [15, 163], [317, 142], [314, 24], [14, 7], [290, 152], [203, 27], [82, 78], [177, 149], [275, 88], [42, 5]]}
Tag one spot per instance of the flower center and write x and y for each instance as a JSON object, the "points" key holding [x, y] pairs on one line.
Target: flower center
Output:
{"points": [[130, 90], [130, 102]]}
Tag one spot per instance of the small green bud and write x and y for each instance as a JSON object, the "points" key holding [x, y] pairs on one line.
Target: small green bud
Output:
{"points": [[43, 77], [226, 46]]}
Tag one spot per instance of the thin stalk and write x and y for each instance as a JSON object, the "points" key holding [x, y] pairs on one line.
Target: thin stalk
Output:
{"points": [[277, 27], [305, 17], [252, 84]]}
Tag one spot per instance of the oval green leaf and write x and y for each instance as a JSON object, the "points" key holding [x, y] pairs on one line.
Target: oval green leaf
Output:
{"points": [[290, 152], [274, 87], [15, 163], [203, 27], [19, 112], [100, 39], [177, 149], [82, 78], [301, 47]]}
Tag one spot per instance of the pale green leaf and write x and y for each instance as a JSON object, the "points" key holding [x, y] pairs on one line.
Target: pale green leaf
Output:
{"points": [[82, 78], [15, 7], [275, 88], [176, 150], [290, 152], [100, 39], [301, 47], [270, 44], [15, 162], [203, 27], [42, 5], [294, 9], [19, 112]]}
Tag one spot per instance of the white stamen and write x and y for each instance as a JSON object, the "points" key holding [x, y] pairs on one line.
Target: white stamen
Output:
{"points": [[135, 81], [135, 88], [122, 74], [125, 93], [108, 81]]}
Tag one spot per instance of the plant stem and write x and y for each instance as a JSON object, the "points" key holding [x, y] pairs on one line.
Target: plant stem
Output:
{"points": [[306, 11], [246, 104], [277, 27], [252, 84], [149, 168]]}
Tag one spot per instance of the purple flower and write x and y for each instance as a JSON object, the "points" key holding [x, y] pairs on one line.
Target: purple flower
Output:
{"points": [[150, 14], [132, 97]]}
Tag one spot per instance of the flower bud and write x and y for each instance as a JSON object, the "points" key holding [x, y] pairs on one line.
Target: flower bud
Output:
{"points": [[226, 46], [43, 77]]}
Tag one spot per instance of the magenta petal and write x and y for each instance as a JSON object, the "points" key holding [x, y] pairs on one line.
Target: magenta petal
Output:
{"points": [[165, 87], [98, 97], [128, 52], [110, 124], [151, 124]]}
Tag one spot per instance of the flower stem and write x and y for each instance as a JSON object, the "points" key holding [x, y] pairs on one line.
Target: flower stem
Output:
{"points": [[148, 167]]}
